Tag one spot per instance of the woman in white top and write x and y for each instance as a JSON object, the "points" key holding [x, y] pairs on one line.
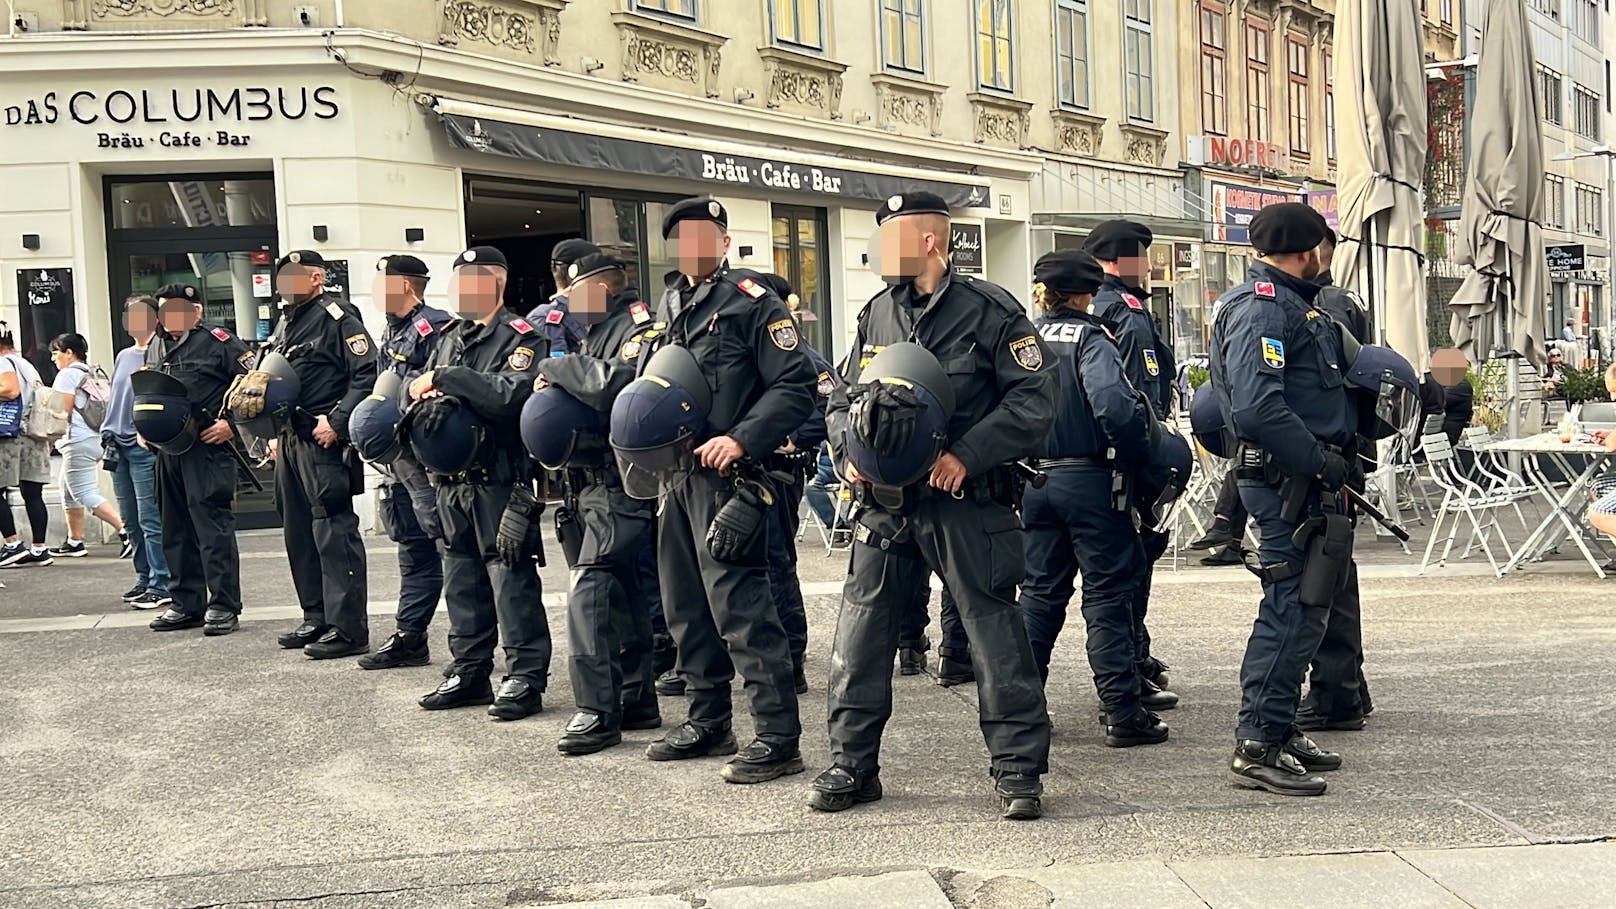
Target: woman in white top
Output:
{"points": [[81, 450], [24, 464]]}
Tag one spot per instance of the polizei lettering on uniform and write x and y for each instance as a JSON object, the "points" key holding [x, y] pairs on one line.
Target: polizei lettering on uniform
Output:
{"points": [[177, 105]]}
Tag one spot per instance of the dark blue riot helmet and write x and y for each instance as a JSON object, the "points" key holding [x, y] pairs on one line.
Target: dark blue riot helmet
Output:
{"points": [[452, 449], [1165, 475], [1207, 424], [163, 413], [657, 422], [373, 425], [557, 427], [1387, 391], [281, 396], [903, 385]]}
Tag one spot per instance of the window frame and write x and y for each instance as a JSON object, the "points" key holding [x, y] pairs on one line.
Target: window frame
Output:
{"points": [[1326, 58], [1259, 71], [1144, 29], [774, 25], [1214, 59], [1078, 9], [1298, 94], [643, 7], [1009, 38], [1554, 186], [1553, 96], [887, 65], [1585, 112]]}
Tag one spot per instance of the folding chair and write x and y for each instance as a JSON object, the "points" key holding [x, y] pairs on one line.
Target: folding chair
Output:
{"points": [[1462, 498]]}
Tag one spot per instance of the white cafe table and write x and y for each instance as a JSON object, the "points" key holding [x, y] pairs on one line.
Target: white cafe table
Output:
{"points": [[1567, 511]]}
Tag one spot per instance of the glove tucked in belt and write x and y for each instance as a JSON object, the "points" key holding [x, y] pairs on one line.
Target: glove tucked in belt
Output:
{"points": [[739, 521]]}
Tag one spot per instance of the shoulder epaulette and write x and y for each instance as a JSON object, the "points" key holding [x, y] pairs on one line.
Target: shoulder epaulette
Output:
{"points": [[521, 326], [990, 291]]}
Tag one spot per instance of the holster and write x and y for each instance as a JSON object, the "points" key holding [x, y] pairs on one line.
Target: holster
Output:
{"points": [[1327, 539], [570, 534]]}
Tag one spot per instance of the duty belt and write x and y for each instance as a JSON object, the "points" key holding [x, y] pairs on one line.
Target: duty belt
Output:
{"points": [[1054, 463]]}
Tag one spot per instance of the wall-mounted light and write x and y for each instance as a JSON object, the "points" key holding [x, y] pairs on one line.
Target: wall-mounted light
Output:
{"points": [[30, 241], [746, 252], [864, 258], [861, 116], [743, 95], [590, 64], [321, 233], [414, 234]]}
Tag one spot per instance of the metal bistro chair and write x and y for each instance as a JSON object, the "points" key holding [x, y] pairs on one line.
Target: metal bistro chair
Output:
{"points": [[833, 539], [1491, 471], [1462, 498]]}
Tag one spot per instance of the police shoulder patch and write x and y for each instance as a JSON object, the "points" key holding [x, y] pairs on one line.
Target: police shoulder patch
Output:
{"points": [[554, 317], [1273, 352], [1027, 353], [827, 383], [521, 358], [639, 313], [631, 349], [334, 309], [1132, 301], [221, 334], [1263, 289], [423, 327], [246, 360], [751, 288], [784, 334], [358, 345], [1151, 366], [521, 326]]}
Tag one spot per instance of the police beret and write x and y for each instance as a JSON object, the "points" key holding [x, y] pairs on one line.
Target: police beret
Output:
{"points": [[593, 264], [776, 283], [920, 203], [300, 257], [1068, 271], [700, 208], [180, 292], [1289, 227], [569, 251], [405, 265], [1112, 240], [481, 255]]}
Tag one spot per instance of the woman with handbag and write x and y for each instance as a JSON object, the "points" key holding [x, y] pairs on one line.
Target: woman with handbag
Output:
{"points": [[24, 460], [81, 450]]}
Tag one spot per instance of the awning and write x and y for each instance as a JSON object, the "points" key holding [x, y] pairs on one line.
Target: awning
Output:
{"points": [[723, 166]]}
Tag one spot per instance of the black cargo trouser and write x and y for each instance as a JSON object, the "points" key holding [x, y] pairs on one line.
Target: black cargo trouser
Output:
{"points": [[314, 492], [488, 602], [608, 627], [196, 494]]}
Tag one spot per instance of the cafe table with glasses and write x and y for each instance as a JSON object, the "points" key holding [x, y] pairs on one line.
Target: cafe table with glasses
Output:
{"points": [[1572, 454]]}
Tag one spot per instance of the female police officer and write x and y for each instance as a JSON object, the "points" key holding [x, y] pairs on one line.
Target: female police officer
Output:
{"points": [[1081, 519]]}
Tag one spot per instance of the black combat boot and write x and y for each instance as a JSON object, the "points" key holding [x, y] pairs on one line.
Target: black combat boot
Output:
{"points": [[670, 684], [172, 619], [460, 691], [334, 645], [403, 648], [954, 668], [1225, 555], [1154, 697], [1312, 758], [516, 699], [302, 636], [840, 788], [912, 656], [1220, 534], [761, 761], [1257, 765], [219, 622], [1154, 671], [1309, 719], [1144, 728], [643, 713], [588, 733], [1020, 795], [663, 653], [687, 740]]}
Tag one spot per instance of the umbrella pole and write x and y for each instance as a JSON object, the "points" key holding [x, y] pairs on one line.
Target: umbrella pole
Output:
{"points": [[1377, 298]]}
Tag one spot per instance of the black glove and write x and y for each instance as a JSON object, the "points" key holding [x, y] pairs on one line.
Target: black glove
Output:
{"points": [[739, 522], [885, 416], [1334, 474], [519, 533], [431, 415]]}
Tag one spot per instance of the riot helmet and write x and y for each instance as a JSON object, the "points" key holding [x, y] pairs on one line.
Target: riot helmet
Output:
{"points": [[657, 421], [898, 421], [281, 395], [163, 413], [373, 425], [1165, 474], [1387, 391], [452, 449], [1207, 423], [557, 427]]}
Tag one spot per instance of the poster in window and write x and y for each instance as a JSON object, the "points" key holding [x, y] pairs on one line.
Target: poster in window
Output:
{"points": [[45, 310], [965, 248], [336, 277]]}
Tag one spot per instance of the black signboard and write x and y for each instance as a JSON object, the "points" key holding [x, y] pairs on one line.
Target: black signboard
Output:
{"points": [[965, 248], [1566, 258], [572, 149], [336, 278], [45, 309]]}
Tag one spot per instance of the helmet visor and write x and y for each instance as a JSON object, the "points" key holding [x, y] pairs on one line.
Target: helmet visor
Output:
{"points": [[650, 473], [1397, 411]]}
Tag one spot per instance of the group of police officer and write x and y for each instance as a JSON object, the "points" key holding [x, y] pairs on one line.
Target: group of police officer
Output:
{"points": [[993, 451]]}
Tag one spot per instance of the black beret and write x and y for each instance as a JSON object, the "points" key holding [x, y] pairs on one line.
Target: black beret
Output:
{"points": [[571, 250], [405, 265], [776, 283], [300, 257], [1289, 227], [180, 292], [1112, 240], [481, 255], [921, 203], [1068, 271], [593, 264], [700, 208]]}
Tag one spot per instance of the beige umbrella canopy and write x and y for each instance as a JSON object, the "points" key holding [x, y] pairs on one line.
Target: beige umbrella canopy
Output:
{"points": [[1381, 147]]}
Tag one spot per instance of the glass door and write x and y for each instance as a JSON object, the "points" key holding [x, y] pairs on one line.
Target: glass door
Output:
{"points": [[800, 242], [237, 284]]}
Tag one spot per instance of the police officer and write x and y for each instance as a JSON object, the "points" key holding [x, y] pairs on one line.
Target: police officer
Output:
{"points": [[1122, 303], [484, 367], [790, 464], [608, 628], [196, 485], [1276, 365], [959, 522], [564, 330], [1338, 694], [317, 474], [1081, 519], [409, 505], [712, 547]]}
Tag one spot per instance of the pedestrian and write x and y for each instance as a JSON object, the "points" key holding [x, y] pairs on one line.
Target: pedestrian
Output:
{"points": [[469, 401], [1277, 371], [24, 461], [1123, 250], [1569, 332], [317, 473], [134, 467], [409, 505], [607, 624], [958, 519], [1077, 522], [716, 593], [81, 450], [179, 402]]}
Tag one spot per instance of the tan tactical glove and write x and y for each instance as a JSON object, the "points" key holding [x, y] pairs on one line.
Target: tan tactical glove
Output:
{"points": [[248, 398]]}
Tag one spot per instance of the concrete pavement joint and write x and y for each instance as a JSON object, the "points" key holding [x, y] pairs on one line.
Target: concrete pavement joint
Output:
{"points": [[1189, 886], [1422, 872], [1502, 821]]}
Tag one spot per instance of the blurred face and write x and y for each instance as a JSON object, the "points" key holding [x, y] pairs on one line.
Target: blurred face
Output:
{"points": [[476, 290], [139, 321], [298, 284], [1448, 365], [1134, 269], [396, 294], [700, 247], [179, 316], [910, 244], [590, 298]]}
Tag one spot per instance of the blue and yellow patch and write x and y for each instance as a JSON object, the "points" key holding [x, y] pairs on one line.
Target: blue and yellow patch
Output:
{"points": [[1273, 352], [1151, 366]]}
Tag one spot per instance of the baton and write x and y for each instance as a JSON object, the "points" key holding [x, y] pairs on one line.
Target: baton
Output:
{"points": [[1035, 478], [1363, 505]]}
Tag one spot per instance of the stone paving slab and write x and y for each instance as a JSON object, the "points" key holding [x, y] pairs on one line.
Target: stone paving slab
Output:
{"points": [[1580, 876], [897, 890], [1116, 885], [1354, 881]]}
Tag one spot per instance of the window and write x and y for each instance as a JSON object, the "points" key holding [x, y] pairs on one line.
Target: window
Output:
{"points": [[995, 59], [1590, 211], [1329, 106], [801, 239], [903, 37], [1296, 76], [1072, 52], [1257, 81], [1550, 8], [1550, 87], [1554, 201], [683, 9], [1585, 113], [1138, 61], [1607, 86], [1214, 70], [1585, 20], [799, 22], [1447, 12]]}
